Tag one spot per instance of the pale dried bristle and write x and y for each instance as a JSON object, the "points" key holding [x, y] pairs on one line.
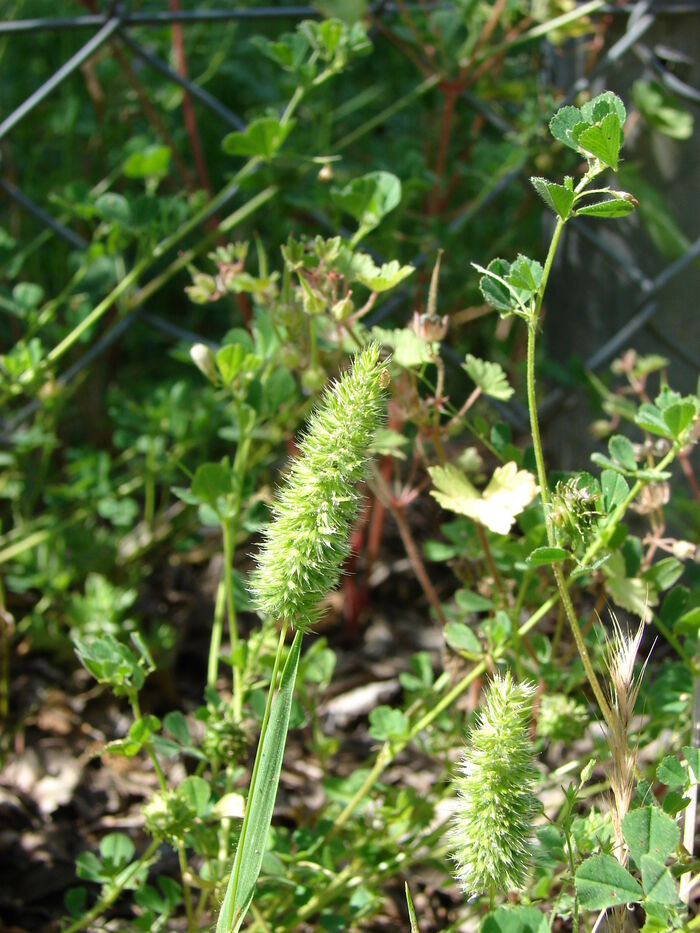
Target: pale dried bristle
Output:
{"points": [[620, 656]]}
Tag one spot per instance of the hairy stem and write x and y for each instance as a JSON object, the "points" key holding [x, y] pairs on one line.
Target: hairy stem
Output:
{"points": [[544, 488]]}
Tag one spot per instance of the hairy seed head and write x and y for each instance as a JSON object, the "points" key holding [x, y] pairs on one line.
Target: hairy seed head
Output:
{"points": [[307, 540], [491, 828]]}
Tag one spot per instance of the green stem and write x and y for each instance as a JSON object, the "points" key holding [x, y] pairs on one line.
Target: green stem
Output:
{"points": [[216, 634], [186, 893], [544, 488], [231, 615], [106, 902]]}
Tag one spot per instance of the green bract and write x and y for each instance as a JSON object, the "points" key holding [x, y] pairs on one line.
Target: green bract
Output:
{"points": [[306, 543], [492, 824]]}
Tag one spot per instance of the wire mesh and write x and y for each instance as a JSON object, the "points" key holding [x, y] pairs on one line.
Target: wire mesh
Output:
{"points": [[115, 26]]}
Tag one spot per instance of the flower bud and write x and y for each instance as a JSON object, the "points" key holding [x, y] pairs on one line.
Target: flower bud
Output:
{"points": [[203, 359]]}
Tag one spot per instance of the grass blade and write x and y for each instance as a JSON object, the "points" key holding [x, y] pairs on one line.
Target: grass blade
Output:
{"points": [[248, 861]]}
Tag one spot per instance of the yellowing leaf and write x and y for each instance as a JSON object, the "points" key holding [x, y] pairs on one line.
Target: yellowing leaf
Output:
{"points": [[506, 495]]}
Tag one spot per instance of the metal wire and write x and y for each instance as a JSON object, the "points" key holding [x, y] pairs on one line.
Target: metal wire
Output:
{"points": [[228, 116], [117, 23], [75, 61]]}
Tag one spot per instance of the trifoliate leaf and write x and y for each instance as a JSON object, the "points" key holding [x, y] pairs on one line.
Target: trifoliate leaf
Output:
{"points": [[460, 637], [658, 882], [559, 198], [671, 772], [602, 882], [262, 137], [601, 140], [369, 198], [525, 276], [382, 278], [489, 377], [506, 495], [494, 287], [563, 122], [515, 920], [650, 831], [385, 722]]}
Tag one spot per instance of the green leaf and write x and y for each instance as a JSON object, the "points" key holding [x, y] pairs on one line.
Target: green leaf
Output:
{"points": [[262, 137], [611, 207], [650, 419], [75, 900], [114, 209], [622, 451], [672, 773], [460, 637], [515, 920], [489, 377], [602, 882], [176, 724], [89, 868], [382, 278], [385, 722], [649, 831], [116, 850], [563, 122], [472, 602], [139, 733], [289, 52], [409, 350], [673, 802], [688, 623], [602, 140], [558, 198], [547, 555], [614, 488], [27, 295], [196, 792], [664, 573], [600, 106], [495, 292], [411, 910], [657, 882], [151, 162], [250, 853], [369, 198], [525, 276], [211, 481], [679, 416], [661, 110]]}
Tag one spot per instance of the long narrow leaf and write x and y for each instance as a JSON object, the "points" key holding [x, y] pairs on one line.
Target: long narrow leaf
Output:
{"points": [[240, 890]]}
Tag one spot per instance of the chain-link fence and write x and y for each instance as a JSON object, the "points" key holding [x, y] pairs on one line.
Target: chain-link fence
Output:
{"points": [[634, 308]]}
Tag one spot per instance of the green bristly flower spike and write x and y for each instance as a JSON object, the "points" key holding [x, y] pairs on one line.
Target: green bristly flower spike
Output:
{"points": [[491, 828], [307, 541]]}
